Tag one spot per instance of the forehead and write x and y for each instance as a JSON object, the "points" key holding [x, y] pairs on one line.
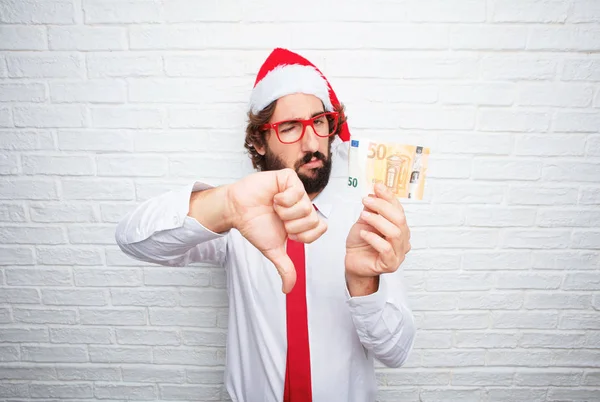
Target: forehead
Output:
{"points": [[296, 106]]}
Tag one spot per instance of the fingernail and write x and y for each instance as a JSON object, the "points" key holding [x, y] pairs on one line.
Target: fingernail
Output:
{"points": [[381, 187], [365, 214], [368, 200]]}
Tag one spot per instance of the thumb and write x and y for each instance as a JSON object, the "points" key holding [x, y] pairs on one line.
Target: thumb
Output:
{"points": [[285, 267]]}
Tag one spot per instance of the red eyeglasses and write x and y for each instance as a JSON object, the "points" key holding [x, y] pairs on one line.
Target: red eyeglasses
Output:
{"points": [[290, 131]]}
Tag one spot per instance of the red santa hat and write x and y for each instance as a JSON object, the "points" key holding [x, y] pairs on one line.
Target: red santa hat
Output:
{"points": [[284, 73]]}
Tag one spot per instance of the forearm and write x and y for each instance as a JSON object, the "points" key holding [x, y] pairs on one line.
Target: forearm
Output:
{"points": [[362, 286], [212, 208]]}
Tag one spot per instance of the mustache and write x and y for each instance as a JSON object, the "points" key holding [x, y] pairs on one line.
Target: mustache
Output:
{"points": [[307, 158]]}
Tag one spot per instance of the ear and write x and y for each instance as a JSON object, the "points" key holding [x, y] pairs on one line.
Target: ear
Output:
{"points": [[261, 150]]}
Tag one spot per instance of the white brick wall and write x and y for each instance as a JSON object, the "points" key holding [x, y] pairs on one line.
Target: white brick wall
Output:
{"points": [[104, 103]]}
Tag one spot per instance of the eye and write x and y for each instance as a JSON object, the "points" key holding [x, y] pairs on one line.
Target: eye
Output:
{"points": [[320, 119]]}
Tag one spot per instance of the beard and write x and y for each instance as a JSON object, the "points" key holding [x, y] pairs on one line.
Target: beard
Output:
{"points": [[319, 176]]}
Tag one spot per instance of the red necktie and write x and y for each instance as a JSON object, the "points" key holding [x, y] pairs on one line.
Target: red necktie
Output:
{"points": [[297, 372]]}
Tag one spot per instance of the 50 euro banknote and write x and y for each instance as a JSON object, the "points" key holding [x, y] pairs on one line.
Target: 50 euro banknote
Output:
{"points": [[400, 167]]}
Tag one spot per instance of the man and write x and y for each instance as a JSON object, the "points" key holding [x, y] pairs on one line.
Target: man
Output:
{"points": [[313, 293]]}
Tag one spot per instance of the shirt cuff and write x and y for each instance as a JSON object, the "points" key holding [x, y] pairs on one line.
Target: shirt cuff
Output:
{"points": [[363, 305]]}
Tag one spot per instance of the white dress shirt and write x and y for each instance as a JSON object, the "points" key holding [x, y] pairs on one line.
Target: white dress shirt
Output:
{"points": [[346, 333]]}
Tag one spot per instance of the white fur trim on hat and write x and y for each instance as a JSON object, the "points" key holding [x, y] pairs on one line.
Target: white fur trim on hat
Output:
{"points": [[289, 79]]}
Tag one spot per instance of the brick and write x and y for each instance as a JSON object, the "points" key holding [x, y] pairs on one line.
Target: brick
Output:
{"points": [[69, 256], [87, 38], [433, 302], [442, 167], [565, 260], [116, 257], [49, 116], [218, 278], [45, 65], [562, 301], [416, 377], [575, 395], [586, 239], [477, 37], [561, 95], [575, 38], [62, 391], [496, 260], [19, 296], [490, 301], [23, 38], [31, 235], [153, 374], [83, 373], [205, 116], [492, 94], [205, 338], [511, 121], [581, 70], [391, 90], [38, 276], [14, 390], [27, 373], [182, 392], [91, 234], [567, 218], [98, 189], [23, 335], [74, 297], [102, 277], [517, 68], [506, 169], [5, 317], [194, 166], [579, 122], [58, 165], [189, 317], [176, 277], [123, 65], [145, 297], [455, 321], [550, 145], [446, 11], [204, 298], [582, 281], [584, 11], [416, 261], [526, 280], [486, 339], [121, 117], [385, 394], [145, 166], [519, 358], [16, 256], [482, 377], [589, 195], [433, 340], [526, 320], [63, 212], [147, 337], [551, 340], [576, 320], [545, 377], [128, 392], [468, 192], [204, 375], [535, 238], [500, 216], [121, 12], [542, 195], [185, 141], [114, 212], [31, 92], [447, 282], [117, 317], [482, 143], [196, 357], [592, 378], [109, 354], [54, 354], [12, 213], [6, 119], [453, 358], [460, 238], [9, 354], [95, 140], [516, 394], [94, 91], [593, 145], [181, 90], [44, 316], [190, 11], [529, 11], [80, 335], [446, 118], [33, 12], [26, 140], [222, 63], [9, 165]]}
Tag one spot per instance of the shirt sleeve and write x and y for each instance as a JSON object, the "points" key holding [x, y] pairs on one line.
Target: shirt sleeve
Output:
{"points": [[384, 321], [160, 231]]}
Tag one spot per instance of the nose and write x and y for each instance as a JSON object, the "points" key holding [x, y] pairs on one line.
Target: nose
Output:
{"points": [[310, 141]]}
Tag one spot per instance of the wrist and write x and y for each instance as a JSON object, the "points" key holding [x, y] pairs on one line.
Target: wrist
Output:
{"points": [[361, 285]]}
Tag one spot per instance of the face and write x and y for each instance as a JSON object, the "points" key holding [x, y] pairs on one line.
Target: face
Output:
{"points": [[309, 157]]}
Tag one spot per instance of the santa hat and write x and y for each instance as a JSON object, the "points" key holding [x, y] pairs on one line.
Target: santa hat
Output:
{"points": [[284, 73]]}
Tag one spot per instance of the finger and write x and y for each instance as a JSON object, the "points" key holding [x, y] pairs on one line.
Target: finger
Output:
{"points": [[291, 189], [311, 235], [391, 211], [388, 259], [297, 211], [285, 267], [380, 223], [302, 225], [382, 191]]}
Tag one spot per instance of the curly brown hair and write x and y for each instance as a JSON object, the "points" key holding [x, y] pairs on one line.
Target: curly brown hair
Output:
{"points": [[255, 136]]}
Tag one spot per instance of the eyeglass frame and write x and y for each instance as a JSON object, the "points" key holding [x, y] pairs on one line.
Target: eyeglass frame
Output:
{"points": [[305, 122]]}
